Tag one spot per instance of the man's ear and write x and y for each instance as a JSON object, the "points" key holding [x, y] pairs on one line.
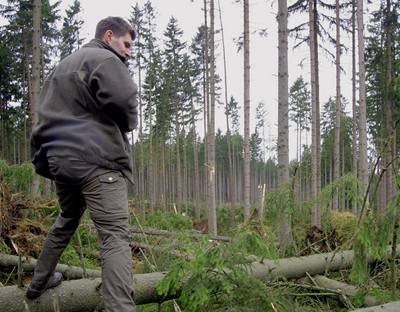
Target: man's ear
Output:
{"points": [[107, 36]]}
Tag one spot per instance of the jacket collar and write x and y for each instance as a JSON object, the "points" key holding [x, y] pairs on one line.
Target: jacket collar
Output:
{"points": [[100, 44]]}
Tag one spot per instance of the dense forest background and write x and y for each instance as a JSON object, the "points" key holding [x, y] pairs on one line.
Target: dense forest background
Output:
{"points": [[176, 166]]}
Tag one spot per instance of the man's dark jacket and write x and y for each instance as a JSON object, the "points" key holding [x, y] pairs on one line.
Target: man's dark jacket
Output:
{"points": [[85, 109]]}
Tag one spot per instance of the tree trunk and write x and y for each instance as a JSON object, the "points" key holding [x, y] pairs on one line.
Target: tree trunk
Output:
{"points": [[212, 217], [390, 152], [246, 62], [363, 164], [285, 233], [315, 132], [345, 289], [336, 165], [206, 95], [35, 74], [354, 98], [28, 265], [228, 132]]}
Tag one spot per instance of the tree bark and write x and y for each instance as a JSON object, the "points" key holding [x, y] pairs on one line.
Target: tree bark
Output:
{"points": [[285, 233], [345, 289], [212, 216], [388, 307], [35, 74], [77, 296], [354, 98], [390, 153], [336, 165], [231, 186], [28, 265], [315, 127], [246, 36], [363, 164]]}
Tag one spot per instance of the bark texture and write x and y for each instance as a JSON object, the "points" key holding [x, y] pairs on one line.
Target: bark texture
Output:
{"points": [[246, 36], [285, 233], [28, 265]]}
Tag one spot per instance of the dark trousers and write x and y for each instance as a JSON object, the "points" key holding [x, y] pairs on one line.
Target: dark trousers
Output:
{"points": [[105, 197]]}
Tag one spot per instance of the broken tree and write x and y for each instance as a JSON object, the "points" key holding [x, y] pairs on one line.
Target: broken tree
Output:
{"points": [[84, 295]]}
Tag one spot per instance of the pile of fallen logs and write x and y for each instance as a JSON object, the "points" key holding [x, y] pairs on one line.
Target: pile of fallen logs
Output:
{"points": [[84, 294]]}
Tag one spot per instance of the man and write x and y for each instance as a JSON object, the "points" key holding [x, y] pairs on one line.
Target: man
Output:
{"points": [[85, 109]]}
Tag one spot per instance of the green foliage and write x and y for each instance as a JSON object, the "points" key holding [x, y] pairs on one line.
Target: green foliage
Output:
{"points": [[382, 296], [228, 218], [218, 276], [71, 255], [343, 223], [348, 184], [20, 177], [372, 239]]}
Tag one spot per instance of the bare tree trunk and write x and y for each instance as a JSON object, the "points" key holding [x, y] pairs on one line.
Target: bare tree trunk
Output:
{"points": [[246, 110], [315, 132], [285, 233], [178, 173], [36, 53], [354, 97], [206, 92], [336, 165], [228, 132], [390, 153], [363, 164], [212, 217]]}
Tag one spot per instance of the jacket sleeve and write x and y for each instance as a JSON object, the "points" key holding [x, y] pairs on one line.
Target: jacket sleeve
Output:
{"points": [[116, 92]]}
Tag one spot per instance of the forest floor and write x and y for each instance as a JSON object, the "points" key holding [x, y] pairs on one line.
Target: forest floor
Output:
{"points": [[214, 276]]}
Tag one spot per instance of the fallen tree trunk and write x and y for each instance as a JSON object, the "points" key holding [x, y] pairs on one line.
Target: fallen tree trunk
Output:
{"points": [[169, 233], [83, 295], [76, 296], [298, 267], [344, 289], [29, 264], [388, 307]]}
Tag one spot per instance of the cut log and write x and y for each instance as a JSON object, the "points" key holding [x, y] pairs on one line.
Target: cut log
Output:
{"points": [[388, 307], [169, 233], [298, 267], [83, 295], [28, 265], [76, 296], [343, 288]]}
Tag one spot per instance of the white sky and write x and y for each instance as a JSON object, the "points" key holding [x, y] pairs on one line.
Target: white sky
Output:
{"points": [[263, 55]]}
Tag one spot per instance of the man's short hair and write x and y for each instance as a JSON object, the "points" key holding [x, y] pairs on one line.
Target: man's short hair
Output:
{"points": [[117, 25]]}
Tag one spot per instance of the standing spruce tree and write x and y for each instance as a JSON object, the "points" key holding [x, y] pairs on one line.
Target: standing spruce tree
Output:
{"points": [[70, 32], [336, 165], [233, 113], [212, 216], [300, 111], [246, 63], [377, 68], [137, 20], [199, 78], [31, 51], [300, 114], [228, 130], [173, 59], [285, 232], [354, 95], [315, 115]]}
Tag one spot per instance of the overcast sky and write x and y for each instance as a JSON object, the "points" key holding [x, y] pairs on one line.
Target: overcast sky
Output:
{"points": [[263, 55]]}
